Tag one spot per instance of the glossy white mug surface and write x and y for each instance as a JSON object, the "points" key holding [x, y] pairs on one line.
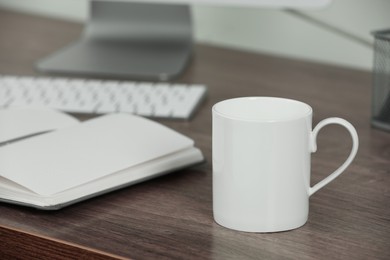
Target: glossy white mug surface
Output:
{"points": [[261, 162]]}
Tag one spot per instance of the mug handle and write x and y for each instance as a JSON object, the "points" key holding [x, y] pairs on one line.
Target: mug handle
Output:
{"points": [[355, 145]]}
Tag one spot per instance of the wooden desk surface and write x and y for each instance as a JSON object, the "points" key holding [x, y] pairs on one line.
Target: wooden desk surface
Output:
{"points": [[171, 217]]}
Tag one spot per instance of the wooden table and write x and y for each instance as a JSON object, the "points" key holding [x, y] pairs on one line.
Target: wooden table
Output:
{"points": [[171, 217]]}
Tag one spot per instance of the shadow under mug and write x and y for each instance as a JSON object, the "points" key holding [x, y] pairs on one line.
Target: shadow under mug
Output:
{"points": [[261, 162]]}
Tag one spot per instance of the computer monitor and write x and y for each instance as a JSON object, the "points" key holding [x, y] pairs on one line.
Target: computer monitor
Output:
{"points": [[149, 39]]}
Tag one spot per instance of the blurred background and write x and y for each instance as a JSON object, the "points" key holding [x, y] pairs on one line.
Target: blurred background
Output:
{"points": [[338, 34]]}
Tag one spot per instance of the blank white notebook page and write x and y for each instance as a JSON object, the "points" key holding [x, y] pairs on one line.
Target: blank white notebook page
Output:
{"points": [[56, 161]]}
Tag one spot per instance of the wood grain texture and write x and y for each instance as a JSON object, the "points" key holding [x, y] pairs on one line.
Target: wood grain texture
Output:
{"points": [[18, 244], [171, 217]]}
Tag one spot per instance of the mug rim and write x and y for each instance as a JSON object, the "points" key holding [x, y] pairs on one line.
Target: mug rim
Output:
{"points": [[308, 112]]}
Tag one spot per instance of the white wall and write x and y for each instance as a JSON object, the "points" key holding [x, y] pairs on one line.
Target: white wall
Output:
{"points": [[338, 34]]}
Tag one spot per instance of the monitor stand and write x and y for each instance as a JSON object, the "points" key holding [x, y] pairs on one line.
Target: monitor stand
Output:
{"points": [[128, 40]]}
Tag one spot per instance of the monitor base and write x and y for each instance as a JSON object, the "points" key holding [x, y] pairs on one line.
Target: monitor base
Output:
{"points": [[128, 40]]}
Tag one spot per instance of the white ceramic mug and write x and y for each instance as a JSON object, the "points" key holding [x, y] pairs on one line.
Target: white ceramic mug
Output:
{"points": [[261, 162]]}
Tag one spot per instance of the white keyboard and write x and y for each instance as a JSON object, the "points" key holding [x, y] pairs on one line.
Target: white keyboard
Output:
{"points": [[163, 100]]}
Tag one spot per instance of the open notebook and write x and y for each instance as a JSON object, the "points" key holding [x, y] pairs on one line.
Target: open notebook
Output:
{"points": [[76, 162]]}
